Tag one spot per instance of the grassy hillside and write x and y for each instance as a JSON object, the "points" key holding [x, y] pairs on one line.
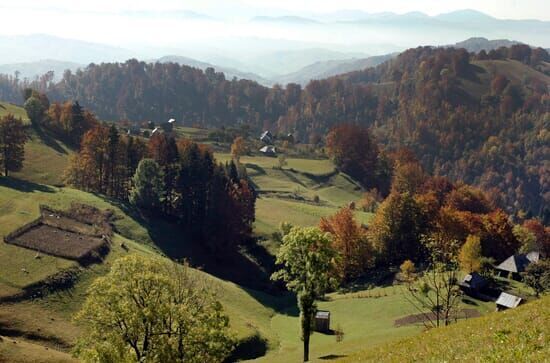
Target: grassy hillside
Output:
{"points": [[289, 194], [519, 335], [21, 351], [266, 325], [250, 311], [17, 111], [513, 70], [45, 157]]}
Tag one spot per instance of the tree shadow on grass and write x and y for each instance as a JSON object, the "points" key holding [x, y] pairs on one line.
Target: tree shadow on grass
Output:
{"points": [[248, 266], [251, 347], [48, 140], [332, 356], [24, 186]]}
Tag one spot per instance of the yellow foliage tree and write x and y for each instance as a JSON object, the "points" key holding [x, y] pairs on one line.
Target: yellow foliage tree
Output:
{"points": [[470, 254], [238, 148]]}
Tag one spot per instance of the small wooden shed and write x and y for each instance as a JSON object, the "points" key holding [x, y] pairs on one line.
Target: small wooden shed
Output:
{"points": [[322, 321], [508, 301]]}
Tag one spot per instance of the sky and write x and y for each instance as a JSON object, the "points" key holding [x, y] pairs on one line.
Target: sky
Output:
{"points": [[134, 22], [506, 9]]}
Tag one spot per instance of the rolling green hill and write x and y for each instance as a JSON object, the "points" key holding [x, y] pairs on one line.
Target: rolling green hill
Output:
{"points": [[17, 111], [45, 156], [266, 325], [519, 335]]}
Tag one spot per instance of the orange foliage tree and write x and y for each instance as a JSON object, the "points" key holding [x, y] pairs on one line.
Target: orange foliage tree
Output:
{"points": [[350, 242]]}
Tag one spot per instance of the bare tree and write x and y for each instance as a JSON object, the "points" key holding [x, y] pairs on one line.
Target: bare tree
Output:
{"points": [[435, 294]]}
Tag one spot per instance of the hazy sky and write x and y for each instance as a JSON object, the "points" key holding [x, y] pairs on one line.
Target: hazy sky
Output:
{"points": [[123, 22], [510, 9]]}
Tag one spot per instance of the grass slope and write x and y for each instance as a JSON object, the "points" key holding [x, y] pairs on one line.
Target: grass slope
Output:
{"points": [[45, 157], [519, 335], [21, 351], [17, 111], [249, 311]]}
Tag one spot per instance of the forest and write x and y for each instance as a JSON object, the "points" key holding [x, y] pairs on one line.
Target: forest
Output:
{"points": [[452, 108]]}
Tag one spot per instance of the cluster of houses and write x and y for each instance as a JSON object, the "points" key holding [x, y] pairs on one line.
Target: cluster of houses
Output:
{"points": [[268, 139], [168, 126], [268, 149], [474, 284]]}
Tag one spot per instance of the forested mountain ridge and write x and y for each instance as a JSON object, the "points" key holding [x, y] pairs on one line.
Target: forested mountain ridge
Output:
{"points": [[482, 118]]}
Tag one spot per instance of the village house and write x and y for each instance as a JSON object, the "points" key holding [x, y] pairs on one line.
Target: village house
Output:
{"points": [[473, 283], [516, 264]]}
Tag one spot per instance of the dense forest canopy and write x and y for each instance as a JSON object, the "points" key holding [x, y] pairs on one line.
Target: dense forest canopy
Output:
{"points": [[481, 118]]}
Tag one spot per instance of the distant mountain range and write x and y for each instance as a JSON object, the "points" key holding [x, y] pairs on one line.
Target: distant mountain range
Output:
{"points": [[476, 45], [326, 69], [31, 70], [228, 71], [282, 67], [36, 47]]}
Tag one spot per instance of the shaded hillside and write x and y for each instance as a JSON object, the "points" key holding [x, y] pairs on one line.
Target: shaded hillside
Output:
{"points": [[515, 335]]}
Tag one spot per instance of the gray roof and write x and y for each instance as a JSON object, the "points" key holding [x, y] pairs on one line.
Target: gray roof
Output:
{"points": [[322, 314], [268, 149], [474, 281], [518, 263], [508, 300]]}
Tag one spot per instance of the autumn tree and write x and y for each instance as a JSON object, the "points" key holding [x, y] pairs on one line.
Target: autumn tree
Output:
{"points": [[350, 242], [12, 144], [354, 152], [407, 269], [149, 310], [306, 258], [497, 237], [88, 169], [238, 148], [147, 185], [470, 254], [397, 229], [541, 233]]}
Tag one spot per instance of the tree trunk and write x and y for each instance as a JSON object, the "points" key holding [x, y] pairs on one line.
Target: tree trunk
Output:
{"points": [[306, 348]]}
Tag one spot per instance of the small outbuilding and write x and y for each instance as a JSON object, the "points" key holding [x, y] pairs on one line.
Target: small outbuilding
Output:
{"points": [[473, 283], [508, 301], [322, 321], [269, 150], [516, 264]]}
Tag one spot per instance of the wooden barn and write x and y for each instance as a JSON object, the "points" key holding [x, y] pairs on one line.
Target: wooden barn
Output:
{"points": [[473, 283]]}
